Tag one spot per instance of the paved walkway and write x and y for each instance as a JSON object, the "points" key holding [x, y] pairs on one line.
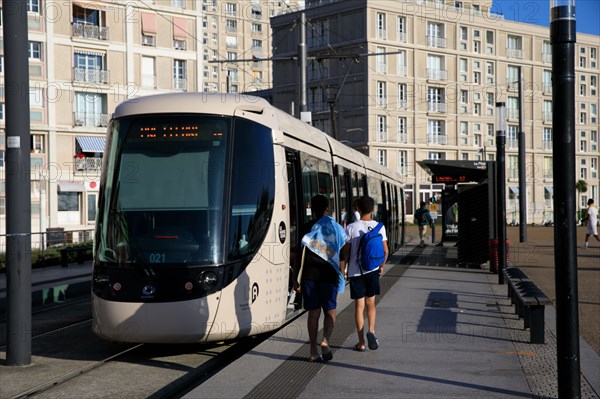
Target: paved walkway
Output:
{"points": [[444, 332]]}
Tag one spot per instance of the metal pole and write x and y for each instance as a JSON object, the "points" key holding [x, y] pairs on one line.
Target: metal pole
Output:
{"points": [[522, 167], [501, 187], [302, 63], [563, 37], [18, 184]]}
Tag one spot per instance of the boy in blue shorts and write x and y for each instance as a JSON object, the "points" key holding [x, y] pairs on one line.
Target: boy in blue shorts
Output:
{"points": [[321, 274], [364, 285]]}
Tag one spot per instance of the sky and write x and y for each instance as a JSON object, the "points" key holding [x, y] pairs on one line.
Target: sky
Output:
{"points": [[537, 12]]}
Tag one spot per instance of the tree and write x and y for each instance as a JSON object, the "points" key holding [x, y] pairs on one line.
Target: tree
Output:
{"points": [[581, 186]]}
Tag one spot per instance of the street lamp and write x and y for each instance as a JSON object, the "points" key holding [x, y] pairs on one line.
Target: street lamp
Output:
{"points": [[563, 38], [501, 187]]}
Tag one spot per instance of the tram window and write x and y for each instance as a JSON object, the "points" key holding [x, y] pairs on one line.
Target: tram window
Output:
{"points": [[357, 185], [316, 179], [345, 205], [252, 188], [374, 187]]}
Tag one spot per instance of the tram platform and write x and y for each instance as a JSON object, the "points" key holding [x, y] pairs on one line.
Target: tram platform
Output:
{"points": [[444, 332]]}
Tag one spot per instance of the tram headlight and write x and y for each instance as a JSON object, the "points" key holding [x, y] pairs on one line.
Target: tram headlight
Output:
{"points": [[208, 280]]}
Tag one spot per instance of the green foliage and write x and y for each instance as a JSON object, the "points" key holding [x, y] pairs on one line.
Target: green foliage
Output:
{"points": [[46, 257]]}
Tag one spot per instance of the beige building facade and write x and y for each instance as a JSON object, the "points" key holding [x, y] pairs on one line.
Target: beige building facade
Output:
{"points": [[416, 80], [85, 57]]}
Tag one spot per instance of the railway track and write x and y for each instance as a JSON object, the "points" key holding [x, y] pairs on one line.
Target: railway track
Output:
{"points": [[79, 360]]}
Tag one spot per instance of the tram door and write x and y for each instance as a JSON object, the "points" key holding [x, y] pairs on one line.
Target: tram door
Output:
{"points": [[296, 218]]}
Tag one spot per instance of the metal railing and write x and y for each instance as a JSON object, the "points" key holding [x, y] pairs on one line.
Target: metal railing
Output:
{"points": [[90, 75], [90, 31]]}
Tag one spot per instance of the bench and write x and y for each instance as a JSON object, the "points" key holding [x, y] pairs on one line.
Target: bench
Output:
{"points": [[529, 301], [80, 250]]}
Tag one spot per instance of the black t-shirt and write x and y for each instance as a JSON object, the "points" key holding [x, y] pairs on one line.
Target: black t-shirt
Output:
{"points": [[316, 268]]}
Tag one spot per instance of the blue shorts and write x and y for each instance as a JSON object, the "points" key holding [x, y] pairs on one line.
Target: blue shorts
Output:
{"points": [[366, 285], [316, 295]]}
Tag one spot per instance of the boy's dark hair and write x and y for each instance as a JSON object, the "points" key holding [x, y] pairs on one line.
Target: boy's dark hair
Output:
{"points": [[366, 205], [319, 204], [423, 204], [590, 201]]}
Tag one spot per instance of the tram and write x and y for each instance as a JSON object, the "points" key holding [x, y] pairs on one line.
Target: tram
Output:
{"points": [[201, 199]]}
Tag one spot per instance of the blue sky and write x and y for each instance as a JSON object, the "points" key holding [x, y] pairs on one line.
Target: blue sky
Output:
{"points": [[587, 13]]}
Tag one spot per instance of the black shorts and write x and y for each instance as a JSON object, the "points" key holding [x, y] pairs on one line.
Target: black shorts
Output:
{"points": [[366, 285]]}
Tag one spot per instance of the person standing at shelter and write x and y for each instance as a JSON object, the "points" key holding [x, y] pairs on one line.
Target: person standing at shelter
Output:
{"points": [[319, 274], [364, 285], [423, 219], [592, 222]]}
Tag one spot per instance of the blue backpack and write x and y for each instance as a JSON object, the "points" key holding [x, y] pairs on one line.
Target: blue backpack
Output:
{"points": [[370, 249]]}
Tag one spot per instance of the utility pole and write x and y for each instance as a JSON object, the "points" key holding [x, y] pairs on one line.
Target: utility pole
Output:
{"points": [[18, 184], [501, 187], [302, 55], [522, 167], [563, 38]]}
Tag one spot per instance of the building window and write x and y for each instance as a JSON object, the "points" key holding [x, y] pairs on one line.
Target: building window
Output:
{"points": [[436, 132], [514, 46], [381, 25], [90, 109], [35, 51], [401, 29], [402, 96], [382, 157], [435, 35], [37, 143], [381, 94], [148, 72], [381, 128], [435, 67], [179, 75], [402, 130], [33, 6], [436, 99], [403, 162], [381, 60]]}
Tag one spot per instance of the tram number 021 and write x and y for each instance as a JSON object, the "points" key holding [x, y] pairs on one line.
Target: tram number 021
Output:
{"points": [[157, 257]]}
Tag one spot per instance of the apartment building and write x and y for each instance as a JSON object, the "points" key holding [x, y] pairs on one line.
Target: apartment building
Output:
{"points": [[87, 56], [410, 80]]}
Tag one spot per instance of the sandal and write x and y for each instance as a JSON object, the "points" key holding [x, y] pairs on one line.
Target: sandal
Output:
{"points": [[360, 348], [326, 352], [373, 342]]}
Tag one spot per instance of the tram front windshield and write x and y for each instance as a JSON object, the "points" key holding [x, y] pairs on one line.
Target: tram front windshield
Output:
{"points": [[185, 189]]}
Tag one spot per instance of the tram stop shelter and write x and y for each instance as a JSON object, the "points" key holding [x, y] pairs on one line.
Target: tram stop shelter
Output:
{"points": [[468, 205]]}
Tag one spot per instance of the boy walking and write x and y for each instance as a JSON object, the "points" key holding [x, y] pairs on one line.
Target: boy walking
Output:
{"points": [[364, 285], [423, 219], [320, 274], [592, 222]]}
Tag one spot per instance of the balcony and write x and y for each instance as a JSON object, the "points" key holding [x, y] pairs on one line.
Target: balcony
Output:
{"points": [[90, 119], [514, 53], [88, 163], [512, 113], [180, 84], [402, 70], [90, 75], [402, 104], [148, 81], [436, 107], [401, 36], [547, 116], [436, 41], [437, 74], [547, 58], [403, 138], [547, 145], [437, 139], [90, 31], [547, 87]]}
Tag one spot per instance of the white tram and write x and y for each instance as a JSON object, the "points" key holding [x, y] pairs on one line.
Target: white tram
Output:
{"points": [[200, 202]]}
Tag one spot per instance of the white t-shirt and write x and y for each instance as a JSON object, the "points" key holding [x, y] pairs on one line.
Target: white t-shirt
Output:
{"points": [[355, 231], [592, 227]]}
